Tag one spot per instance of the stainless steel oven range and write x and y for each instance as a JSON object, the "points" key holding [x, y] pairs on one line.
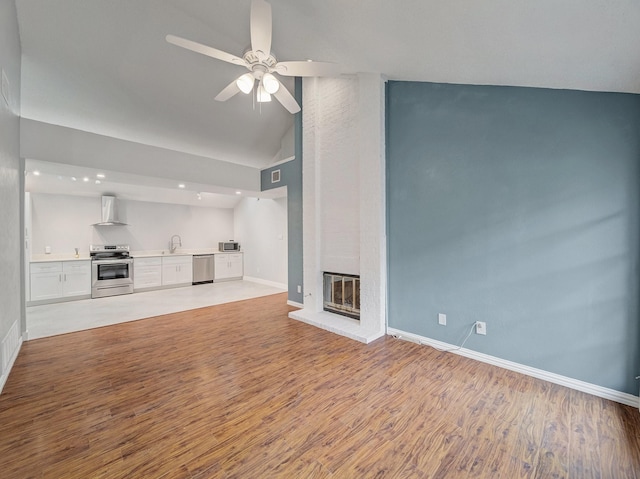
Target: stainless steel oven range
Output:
{"points": [[111, 270]]}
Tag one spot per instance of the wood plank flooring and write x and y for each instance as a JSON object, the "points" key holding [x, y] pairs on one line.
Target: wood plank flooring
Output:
{"points": [[241, 391]]}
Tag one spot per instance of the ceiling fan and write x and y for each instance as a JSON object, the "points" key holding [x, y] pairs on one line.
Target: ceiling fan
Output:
{"points": [[260, 62]]}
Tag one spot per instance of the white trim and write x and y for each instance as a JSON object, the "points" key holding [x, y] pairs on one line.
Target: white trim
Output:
{"points": [[294, 304], [7, 367], [286, 160], [594, 389], [266, 282]]}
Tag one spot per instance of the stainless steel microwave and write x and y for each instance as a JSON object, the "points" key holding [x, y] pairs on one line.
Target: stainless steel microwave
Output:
{"points": [[229, 246]]}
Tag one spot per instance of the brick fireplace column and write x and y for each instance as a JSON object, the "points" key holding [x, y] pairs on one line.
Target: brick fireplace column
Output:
{"points": [[344, 198]]}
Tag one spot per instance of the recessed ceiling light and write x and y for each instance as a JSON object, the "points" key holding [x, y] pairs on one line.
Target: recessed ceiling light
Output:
{"points": [[36, 172], [238, 192], [98, 182], [199, 196], [85, 179], [100, 175], [73, 178], [181, 185]]}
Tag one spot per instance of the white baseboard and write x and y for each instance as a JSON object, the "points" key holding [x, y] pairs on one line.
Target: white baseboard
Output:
{"points": [[295, 304], [11, 344], [266, 282], [594, 389]]}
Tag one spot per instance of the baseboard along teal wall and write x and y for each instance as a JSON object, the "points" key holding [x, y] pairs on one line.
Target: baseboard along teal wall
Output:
{"points": [[518, 207]]}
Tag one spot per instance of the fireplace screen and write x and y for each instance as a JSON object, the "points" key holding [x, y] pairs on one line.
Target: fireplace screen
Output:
{"points": [[342, 294]]}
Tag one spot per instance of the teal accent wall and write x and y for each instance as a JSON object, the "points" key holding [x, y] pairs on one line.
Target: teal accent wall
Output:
{"points": [[291, 176], [518, 207]]}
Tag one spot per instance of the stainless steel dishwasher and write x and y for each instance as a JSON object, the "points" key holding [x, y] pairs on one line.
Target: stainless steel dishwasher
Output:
{"points": [[202, 268]]}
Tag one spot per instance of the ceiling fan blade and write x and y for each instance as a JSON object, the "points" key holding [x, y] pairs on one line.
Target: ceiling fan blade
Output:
{"points": [[205, 50], [307, 69], [230, 90], [287, 100], [261, 28]]}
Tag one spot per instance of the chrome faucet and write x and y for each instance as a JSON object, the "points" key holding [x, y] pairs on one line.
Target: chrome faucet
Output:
{"points": [[173, 245]]}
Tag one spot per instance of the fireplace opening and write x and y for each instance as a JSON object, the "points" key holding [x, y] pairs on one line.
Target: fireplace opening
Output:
{"points": [[342, 294]]}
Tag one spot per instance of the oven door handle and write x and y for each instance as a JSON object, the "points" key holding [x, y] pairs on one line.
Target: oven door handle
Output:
{"points": [[112, 261]]}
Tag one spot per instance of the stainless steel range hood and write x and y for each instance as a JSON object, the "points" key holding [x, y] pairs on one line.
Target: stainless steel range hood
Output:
{"points": [[109, 216]]}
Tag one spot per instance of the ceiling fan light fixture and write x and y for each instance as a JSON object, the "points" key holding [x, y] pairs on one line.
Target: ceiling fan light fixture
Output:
{"points": [[263, 95], [260, 62], [270, 83], [245, 83]]}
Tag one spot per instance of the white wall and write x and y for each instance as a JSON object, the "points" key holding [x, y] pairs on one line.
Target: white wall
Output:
{"points": [[261, 229], [64, 223], [11, 304]]}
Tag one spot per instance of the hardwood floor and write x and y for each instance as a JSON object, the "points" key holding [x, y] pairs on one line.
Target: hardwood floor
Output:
{"points": [[239, 390]]}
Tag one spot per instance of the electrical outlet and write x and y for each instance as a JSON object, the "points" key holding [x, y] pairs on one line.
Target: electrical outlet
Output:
{"points": [[299, 289], [481, 327], [442, 319]]}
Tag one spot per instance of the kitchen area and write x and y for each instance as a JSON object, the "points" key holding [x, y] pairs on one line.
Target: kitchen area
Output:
{"points": [[115, 271], [112, 270], [102, 259]]}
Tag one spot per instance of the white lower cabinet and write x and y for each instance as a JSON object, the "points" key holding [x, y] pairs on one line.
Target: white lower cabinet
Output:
{"points": [[228, 266], [46, 281], [76, 278], [147, 272], [60, 279], [177, 270]]}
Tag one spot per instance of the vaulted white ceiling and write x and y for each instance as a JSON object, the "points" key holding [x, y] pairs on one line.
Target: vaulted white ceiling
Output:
{"points": [[104, 66]]}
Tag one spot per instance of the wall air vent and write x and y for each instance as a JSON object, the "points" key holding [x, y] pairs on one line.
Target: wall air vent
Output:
{"points": [[275, 176]]}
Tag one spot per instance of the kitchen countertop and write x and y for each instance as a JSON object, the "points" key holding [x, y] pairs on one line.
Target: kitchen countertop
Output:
{"points": [[46, 258], [179, 252]]}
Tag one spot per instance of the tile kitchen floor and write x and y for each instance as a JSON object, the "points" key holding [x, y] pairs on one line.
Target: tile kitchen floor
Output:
{"points": [[59, 318]]}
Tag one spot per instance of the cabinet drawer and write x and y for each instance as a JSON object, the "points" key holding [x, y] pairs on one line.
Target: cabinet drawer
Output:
{"points": [[151, 261], [147, 276], [147, 272], [52, 267], [77, 266], [182, 259]]}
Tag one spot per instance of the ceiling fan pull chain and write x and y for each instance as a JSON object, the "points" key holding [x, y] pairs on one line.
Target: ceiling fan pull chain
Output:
{"points": [[259, 91]]}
